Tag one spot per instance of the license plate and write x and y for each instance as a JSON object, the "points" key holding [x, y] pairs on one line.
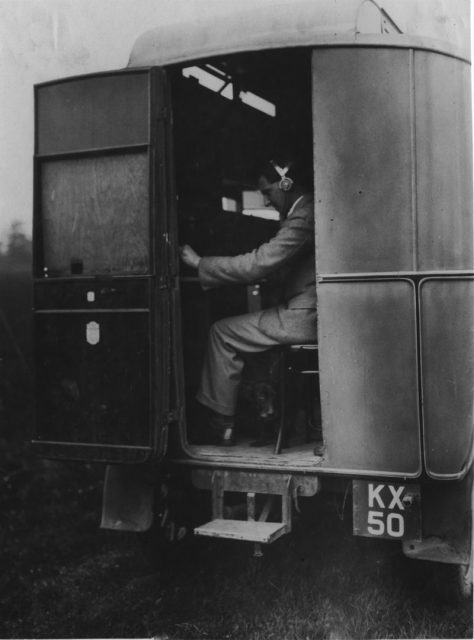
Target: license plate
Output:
{"points": [[386, 510]]}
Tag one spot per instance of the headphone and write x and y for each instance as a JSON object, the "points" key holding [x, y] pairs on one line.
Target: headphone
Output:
{"points": [[286, 183]]}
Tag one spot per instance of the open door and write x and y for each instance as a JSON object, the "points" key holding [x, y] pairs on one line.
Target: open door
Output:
{"points": [[101, 266]]}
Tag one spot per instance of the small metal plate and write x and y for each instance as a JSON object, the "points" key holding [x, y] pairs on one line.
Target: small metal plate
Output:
{"points": [[386, 510]]}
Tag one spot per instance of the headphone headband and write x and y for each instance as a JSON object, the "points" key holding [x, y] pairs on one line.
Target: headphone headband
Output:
{"points": [[285, 183]]}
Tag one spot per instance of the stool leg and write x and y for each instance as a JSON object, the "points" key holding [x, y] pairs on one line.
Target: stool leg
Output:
{"points": [[281, 426], [309, 406]]}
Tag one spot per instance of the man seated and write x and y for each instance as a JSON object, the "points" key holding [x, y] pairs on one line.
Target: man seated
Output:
{"points": [[290, 251]]}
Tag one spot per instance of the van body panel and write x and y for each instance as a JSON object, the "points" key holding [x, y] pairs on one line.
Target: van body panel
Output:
{"points": [[93, 112], [447, 361], [394, 186], [288, 24], [84, 189], [368, 376], [443, 170], [363, 160]]}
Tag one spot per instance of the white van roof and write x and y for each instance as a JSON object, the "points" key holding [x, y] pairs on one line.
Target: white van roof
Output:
{"points": [[297, 23]]}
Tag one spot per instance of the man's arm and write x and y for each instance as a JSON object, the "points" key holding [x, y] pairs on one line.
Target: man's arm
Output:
{"points": [[295, 237]]}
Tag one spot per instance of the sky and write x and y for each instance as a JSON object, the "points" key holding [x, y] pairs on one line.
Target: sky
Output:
{"points": [[44, 40]]}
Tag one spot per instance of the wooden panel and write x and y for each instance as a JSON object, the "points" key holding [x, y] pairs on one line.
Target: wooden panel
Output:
{"points": [[363, 168], [444, 162], [447, 340], [95, 215], [94, 391], [368, 376], [93, 112]]}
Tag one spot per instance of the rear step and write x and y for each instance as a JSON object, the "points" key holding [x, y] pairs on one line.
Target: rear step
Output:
{"points": [[254, 529], [263, 532]]}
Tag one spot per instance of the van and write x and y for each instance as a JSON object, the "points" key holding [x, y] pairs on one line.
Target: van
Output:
{"points": [[131, 164]]}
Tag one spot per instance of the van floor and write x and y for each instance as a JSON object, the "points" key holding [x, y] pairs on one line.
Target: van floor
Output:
{"points": [[300, 456]]}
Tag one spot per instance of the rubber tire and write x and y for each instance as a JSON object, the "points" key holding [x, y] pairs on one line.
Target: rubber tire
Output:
{"points": [[453, 582]]}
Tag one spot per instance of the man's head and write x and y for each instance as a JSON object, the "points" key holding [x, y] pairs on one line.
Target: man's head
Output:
{"points": [[281, 184]]}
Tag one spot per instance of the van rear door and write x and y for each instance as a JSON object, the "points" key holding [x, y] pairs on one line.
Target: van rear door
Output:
{"points": [[367, 308], [101, 295]]}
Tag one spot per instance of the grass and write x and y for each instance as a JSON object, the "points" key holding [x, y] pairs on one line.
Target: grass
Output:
{"points": [[63, 577]]}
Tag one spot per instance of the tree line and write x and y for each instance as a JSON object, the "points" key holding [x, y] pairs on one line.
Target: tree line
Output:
{"points": [[16, 253]]}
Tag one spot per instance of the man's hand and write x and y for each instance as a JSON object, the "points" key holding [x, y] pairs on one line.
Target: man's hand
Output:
{"points": [[189, 256]]}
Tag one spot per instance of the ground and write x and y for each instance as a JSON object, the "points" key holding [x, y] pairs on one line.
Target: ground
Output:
{"points": [[64, 577]]}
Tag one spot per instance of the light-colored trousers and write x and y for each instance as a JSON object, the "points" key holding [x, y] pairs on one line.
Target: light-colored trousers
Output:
{"points": [[231, 338]]}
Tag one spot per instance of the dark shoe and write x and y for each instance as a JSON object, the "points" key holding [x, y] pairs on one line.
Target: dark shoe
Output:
{"points": [[222, 428], [262, 441], [225, 439]]}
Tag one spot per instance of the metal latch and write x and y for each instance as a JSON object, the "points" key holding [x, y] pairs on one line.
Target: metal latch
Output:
{"points": [[171, 416]]}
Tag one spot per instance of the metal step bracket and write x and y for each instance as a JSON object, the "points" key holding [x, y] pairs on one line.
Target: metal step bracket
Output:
{"points": [[256, 528]]}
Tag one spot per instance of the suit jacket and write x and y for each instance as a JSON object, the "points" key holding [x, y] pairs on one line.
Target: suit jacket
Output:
{"points": [[290, 250]]}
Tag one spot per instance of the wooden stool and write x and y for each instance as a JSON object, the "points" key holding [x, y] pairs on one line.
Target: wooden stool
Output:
{"points": [[296, 360]]}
